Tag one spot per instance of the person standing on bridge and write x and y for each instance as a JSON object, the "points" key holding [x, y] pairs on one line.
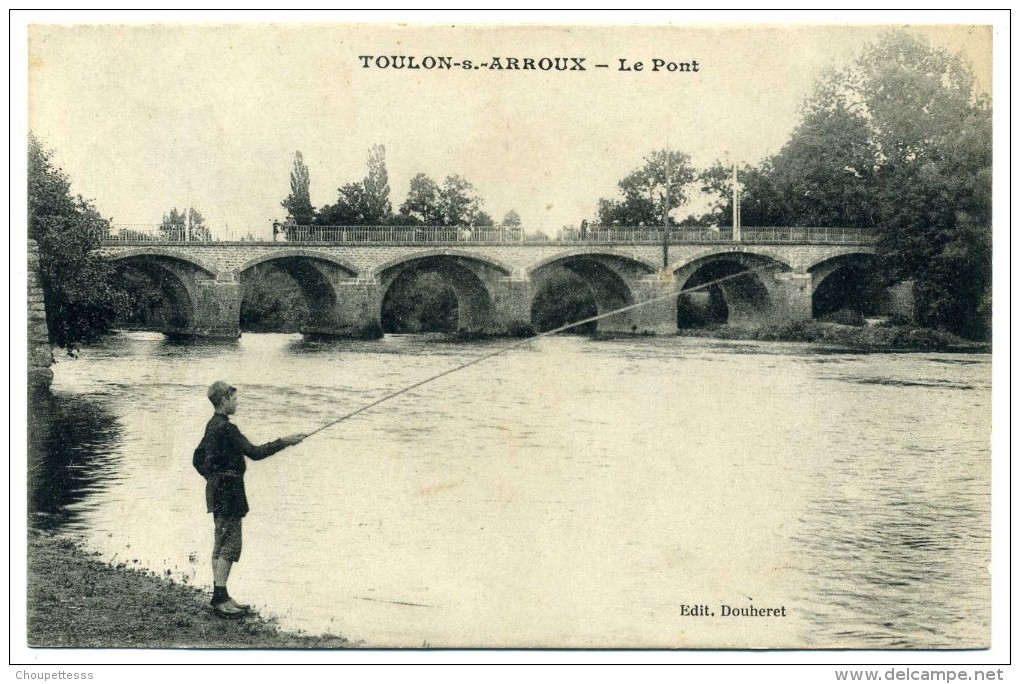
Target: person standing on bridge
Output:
{"points": [[220, 460]]}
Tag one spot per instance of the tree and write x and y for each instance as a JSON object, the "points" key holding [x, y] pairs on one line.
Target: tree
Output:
{"points": [[131, 234], [825, 175], [454, 204], [422, 203], [651, 192], [900, 141], [198, 229], [511, 219], [362, 204], [912, 147], [378, 209], [482, 219], [81, 303], [933, 141], [459, 204], [717, 187], [299, 203], [187, 225], [352, 208], [174, 226]]}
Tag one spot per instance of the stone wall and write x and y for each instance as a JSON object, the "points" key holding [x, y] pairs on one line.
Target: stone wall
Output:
{"points": [[40, 356]]}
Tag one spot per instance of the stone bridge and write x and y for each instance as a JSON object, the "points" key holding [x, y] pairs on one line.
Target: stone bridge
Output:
{"points": [[344, 284]]}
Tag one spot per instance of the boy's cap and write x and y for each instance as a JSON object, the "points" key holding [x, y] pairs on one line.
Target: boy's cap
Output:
{"points": [[218, 391]]}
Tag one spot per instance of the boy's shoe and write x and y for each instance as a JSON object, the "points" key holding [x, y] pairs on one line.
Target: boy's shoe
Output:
{"points": [[227, 610], [240, 606]]}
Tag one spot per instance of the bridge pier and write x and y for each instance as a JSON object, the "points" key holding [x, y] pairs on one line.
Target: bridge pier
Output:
{"points": [[355, 312], [217, 311], [791, 297], [658, 317], [511, 305]]}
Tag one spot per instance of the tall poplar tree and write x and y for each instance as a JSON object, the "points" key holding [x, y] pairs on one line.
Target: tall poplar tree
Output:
{"points": [[299, 203], [377, 187]]}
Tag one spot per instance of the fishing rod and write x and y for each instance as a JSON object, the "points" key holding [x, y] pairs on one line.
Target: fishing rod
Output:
{"points": [[526, 340]]}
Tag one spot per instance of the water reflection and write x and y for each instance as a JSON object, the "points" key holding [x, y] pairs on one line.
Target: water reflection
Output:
{"points": [[72, 454]]}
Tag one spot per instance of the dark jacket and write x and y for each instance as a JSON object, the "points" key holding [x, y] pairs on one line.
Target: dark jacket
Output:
{"points": [[223, 449]]}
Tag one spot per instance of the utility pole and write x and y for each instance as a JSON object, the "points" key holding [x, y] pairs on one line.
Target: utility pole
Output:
{"points": [[736, 206], [665, 217]]}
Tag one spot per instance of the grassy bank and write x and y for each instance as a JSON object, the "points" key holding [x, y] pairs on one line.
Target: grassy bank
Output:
{"points": [[76, 600], [881, 337]]}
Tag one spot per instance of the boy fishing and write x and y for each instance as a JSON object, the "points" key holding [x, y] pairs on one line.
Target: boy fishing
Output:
{"points": [[220, 460]]}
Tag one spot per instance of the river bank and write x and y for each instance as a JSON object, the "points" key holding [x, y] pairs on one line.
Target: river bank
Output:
{"points": [[880, 337], [870, 338], [75, 600]]}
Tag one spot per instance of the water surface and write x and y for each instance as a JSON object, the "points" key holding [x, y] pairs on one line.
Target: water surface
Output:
{"points": [[571, 492]]}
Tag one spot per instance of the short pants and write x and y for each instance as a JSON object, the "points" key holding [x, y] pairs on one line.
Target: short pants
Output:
{"points": [[227, 544]]}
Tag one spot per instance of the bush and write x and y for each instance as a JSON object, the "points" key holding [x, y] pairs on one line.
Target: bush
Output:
{"points": [[896, 319], [845, 317], [520, 329], [874, 338], [371, 331]]}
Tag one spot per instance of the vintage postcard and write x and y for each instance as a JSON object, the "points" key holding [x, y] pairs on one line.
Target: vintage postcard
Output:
{"points": [[465, 336]]}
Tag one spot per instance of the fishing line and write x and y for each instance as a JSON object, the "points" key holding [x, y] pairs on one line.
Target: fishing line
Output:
{"points": [[526, 340]]}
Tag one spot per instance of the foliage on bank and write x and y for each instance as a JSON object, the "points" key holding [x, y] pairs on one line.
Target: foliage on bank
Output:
{"points": [[81, 300], [901, 141], [881, 337]]}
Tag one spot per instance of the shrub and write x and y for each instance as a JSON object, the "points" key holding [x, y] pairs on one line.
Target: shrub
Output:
{"points": [[845, 317]]}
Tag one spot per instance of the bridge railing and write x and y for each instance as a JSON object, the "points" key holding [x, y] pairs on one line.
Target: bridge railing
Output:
{"points": [[705, 234], [403, 234], [809, 235], [502, 235]]}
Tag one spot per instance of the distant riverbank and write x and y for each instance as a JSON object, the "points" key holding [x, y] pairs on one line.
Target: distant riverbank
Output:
{"points": [[75, 600], [870, 338]]}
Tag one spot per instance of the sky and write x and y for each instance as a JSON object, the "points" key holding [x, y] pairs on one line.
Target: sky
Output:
{"points": [[149, 117]]}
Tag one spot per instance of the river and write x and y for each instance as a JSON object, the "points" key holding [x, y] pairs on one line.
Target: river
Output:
{"points": [[572, 492]]}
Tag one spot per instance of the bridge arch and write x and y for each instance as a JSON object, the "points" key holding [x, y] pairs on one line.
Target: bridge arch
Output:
{"points": [[168, 253], [317, 276], [826, 267], [846, 283], [439, 291], [298, 253], [594, 252], [468, 258], [579, 284], [739, 299], [167, 297]]}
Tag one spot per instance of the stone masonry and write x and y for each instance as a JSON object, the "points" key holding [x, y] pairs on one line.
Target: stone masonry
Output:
{"points": [[40, 356], [358, 275]]}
